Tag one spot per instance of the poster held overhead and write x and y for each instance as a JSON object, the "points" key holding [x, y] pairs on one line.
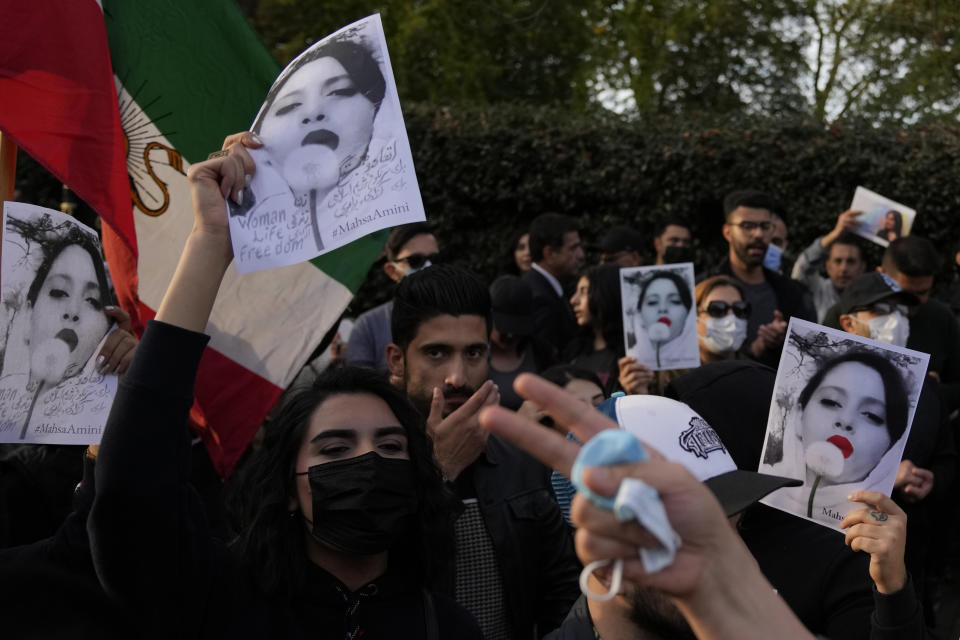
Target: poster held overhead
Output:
{"points": [[335, 163], [55, 288], [881, 220], [659, 316], [839, 419]]}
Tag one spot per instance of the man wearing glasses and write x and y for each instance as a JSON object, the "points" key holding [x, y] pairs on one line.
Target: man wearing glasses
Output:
{"points": [[410, 248], [773, 298]]}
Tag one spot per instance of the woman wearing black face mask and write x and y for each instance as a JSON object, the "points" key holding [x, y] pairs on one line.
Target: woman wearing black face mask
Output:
{"points": [[341, 516]]}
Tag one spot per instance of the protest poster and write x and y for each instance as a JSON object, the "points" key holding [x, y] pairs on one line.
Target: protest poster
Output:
{"points": [[840, 416], [881, 220], [659, 316], [335, 163], [55, 287]]}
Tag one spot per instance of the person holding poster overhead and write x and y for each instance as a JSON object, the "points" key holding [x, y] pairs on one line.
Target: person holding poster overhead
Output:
{"points": [[341, 516]]}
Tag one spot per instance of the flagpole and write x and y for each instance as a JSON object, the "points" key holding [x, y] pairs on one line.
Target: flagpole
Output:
{"points": [[8, 173]]}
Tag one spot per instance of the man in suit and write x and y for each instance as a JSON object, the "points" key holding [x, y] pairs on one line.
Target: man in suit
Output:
{"points": [[557, 258]]}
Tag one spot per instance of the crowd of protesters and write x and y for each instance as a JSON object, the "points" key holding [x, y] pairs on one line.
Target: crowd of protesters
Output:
{"points": [[418, 484]]}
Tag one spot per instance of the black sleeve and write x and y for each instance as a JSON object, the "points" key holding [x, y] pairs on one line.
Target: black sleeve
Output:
{"points": [[898, 616], [68, 549], [149, 538]]}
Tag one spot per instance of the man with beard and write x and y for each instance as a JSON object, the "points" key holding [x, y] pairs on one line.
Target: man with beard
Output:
{"points": [[773, 298], [516, 571]]}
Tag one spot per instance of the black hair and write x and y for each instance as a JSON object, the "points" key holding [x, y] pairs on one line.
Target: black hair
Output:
{"points": [[403, 234], [562, 374], [913, 256], [752, 200], [683, 288], [670, 221], [509, 262], [440, 289], [850, 240], [547, 230], [356, 59], [894, 389], [603, 302], [52, 245], [270, 543]]}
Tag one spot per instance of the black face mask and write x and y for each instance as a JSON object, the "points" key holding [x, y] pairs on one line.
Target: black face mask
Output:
{"points": [[675, 253], [362, 505]]}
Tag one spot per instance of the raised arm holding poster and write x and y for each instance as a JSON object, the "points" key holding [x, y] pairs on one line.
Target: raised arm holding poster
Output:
{"points": [[840, 416], [55, 288], [336, 164], [659, 318]]}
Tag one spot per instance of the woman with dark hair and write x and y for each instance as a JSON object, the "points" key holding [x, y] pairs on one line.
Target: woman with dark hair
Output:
{"points": [[342, 514], [316, 125], [841, 434], [516, 258], [596, 305], [891, 227]]}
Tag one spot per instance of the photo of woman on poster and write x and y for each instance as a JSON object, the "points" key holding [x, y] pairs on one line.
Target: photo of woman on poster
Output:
{"points": [[843, 431], [57, 319], [891, 225], [659, 317]]}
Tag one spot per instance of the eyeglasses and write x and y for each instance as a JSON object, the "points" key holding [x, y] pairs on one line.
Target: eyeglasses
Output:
{"points": [[719, 308], [883, 308], [750, 227], [419, 260]]}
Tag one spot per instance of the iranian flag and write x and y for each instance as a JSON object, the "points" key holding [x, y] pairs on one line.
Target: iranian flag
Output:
{"points": [[186, 75]]}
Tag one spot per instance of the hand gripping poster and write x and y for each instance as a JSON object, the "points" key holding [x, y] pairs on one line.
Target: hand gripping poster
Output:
{"points": [[55, 288], [840, 416], [335, 163]]}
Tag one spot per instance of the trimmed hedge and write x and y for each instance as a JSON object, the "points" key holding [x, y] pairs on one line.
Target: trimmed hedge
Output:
{"points": [[486, 172]]}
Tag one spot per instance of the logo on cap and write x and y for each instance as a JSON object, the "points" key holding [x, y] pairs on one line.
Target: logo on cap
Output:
{"points": [[891, 282], [700, 439]]}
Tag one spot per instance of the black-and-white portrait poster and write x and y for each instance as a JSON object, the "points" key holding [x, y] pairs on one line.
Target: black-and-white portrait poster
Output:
{"points": [[839, 418], [659, 316], [55, 288], [335, 163]]}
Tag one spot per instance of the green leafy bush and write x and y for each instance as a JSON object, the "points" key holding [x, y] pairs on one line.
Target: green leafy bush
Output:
{"points": [[486, 172]]}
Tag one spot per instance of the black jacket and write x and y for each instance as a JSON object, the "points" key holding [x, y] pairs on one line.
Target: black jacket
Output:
{"points": [[532, 541], [553, 318]]}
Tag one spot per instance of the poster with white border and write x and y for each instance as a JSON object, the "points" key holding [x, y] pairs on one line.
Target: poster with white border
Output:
{"points": [[660, 316], [839, 419], [882, 220], [335, 163], [55, 286]]}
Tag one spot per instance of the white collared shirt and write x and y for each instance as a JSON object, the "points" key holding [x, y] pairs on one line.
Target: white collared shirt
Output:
{"points": [[549, 276]]}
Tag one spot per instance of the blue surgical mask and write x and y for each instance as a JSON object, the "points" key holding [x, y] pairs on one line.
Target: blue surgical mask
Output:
{"points": [[771, 260]]}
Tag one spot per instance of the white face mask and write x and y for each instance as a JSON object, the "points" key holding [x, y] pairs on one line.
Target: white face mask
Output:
{"points": [[892, 329], [724, 334]]}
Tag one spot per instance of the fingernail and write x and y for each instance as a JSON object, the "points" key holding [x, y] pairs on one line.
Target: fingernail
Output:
{"points": [[247, 179], [256, 138], [238, 197], [109, 307]]}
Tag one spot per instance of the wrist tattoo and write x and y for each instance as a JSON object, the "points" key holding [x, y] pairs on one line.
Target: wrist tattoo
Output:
{"points": [[878, 516]]}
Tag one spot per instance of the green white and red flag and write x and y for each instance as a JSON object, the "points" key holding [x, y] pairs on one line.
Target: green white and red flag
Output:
{"points": [[187, 74]]}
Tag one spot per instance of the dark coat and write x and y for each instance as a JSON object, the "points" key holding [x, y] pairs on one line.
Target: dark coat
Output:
{"points": [[553, 318]]}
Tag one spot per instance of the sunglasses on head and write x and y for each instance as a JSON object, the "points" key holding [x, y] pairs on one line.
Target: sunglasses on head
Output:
{"points": [[884, 308], [719, 308], [418, 260]]}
